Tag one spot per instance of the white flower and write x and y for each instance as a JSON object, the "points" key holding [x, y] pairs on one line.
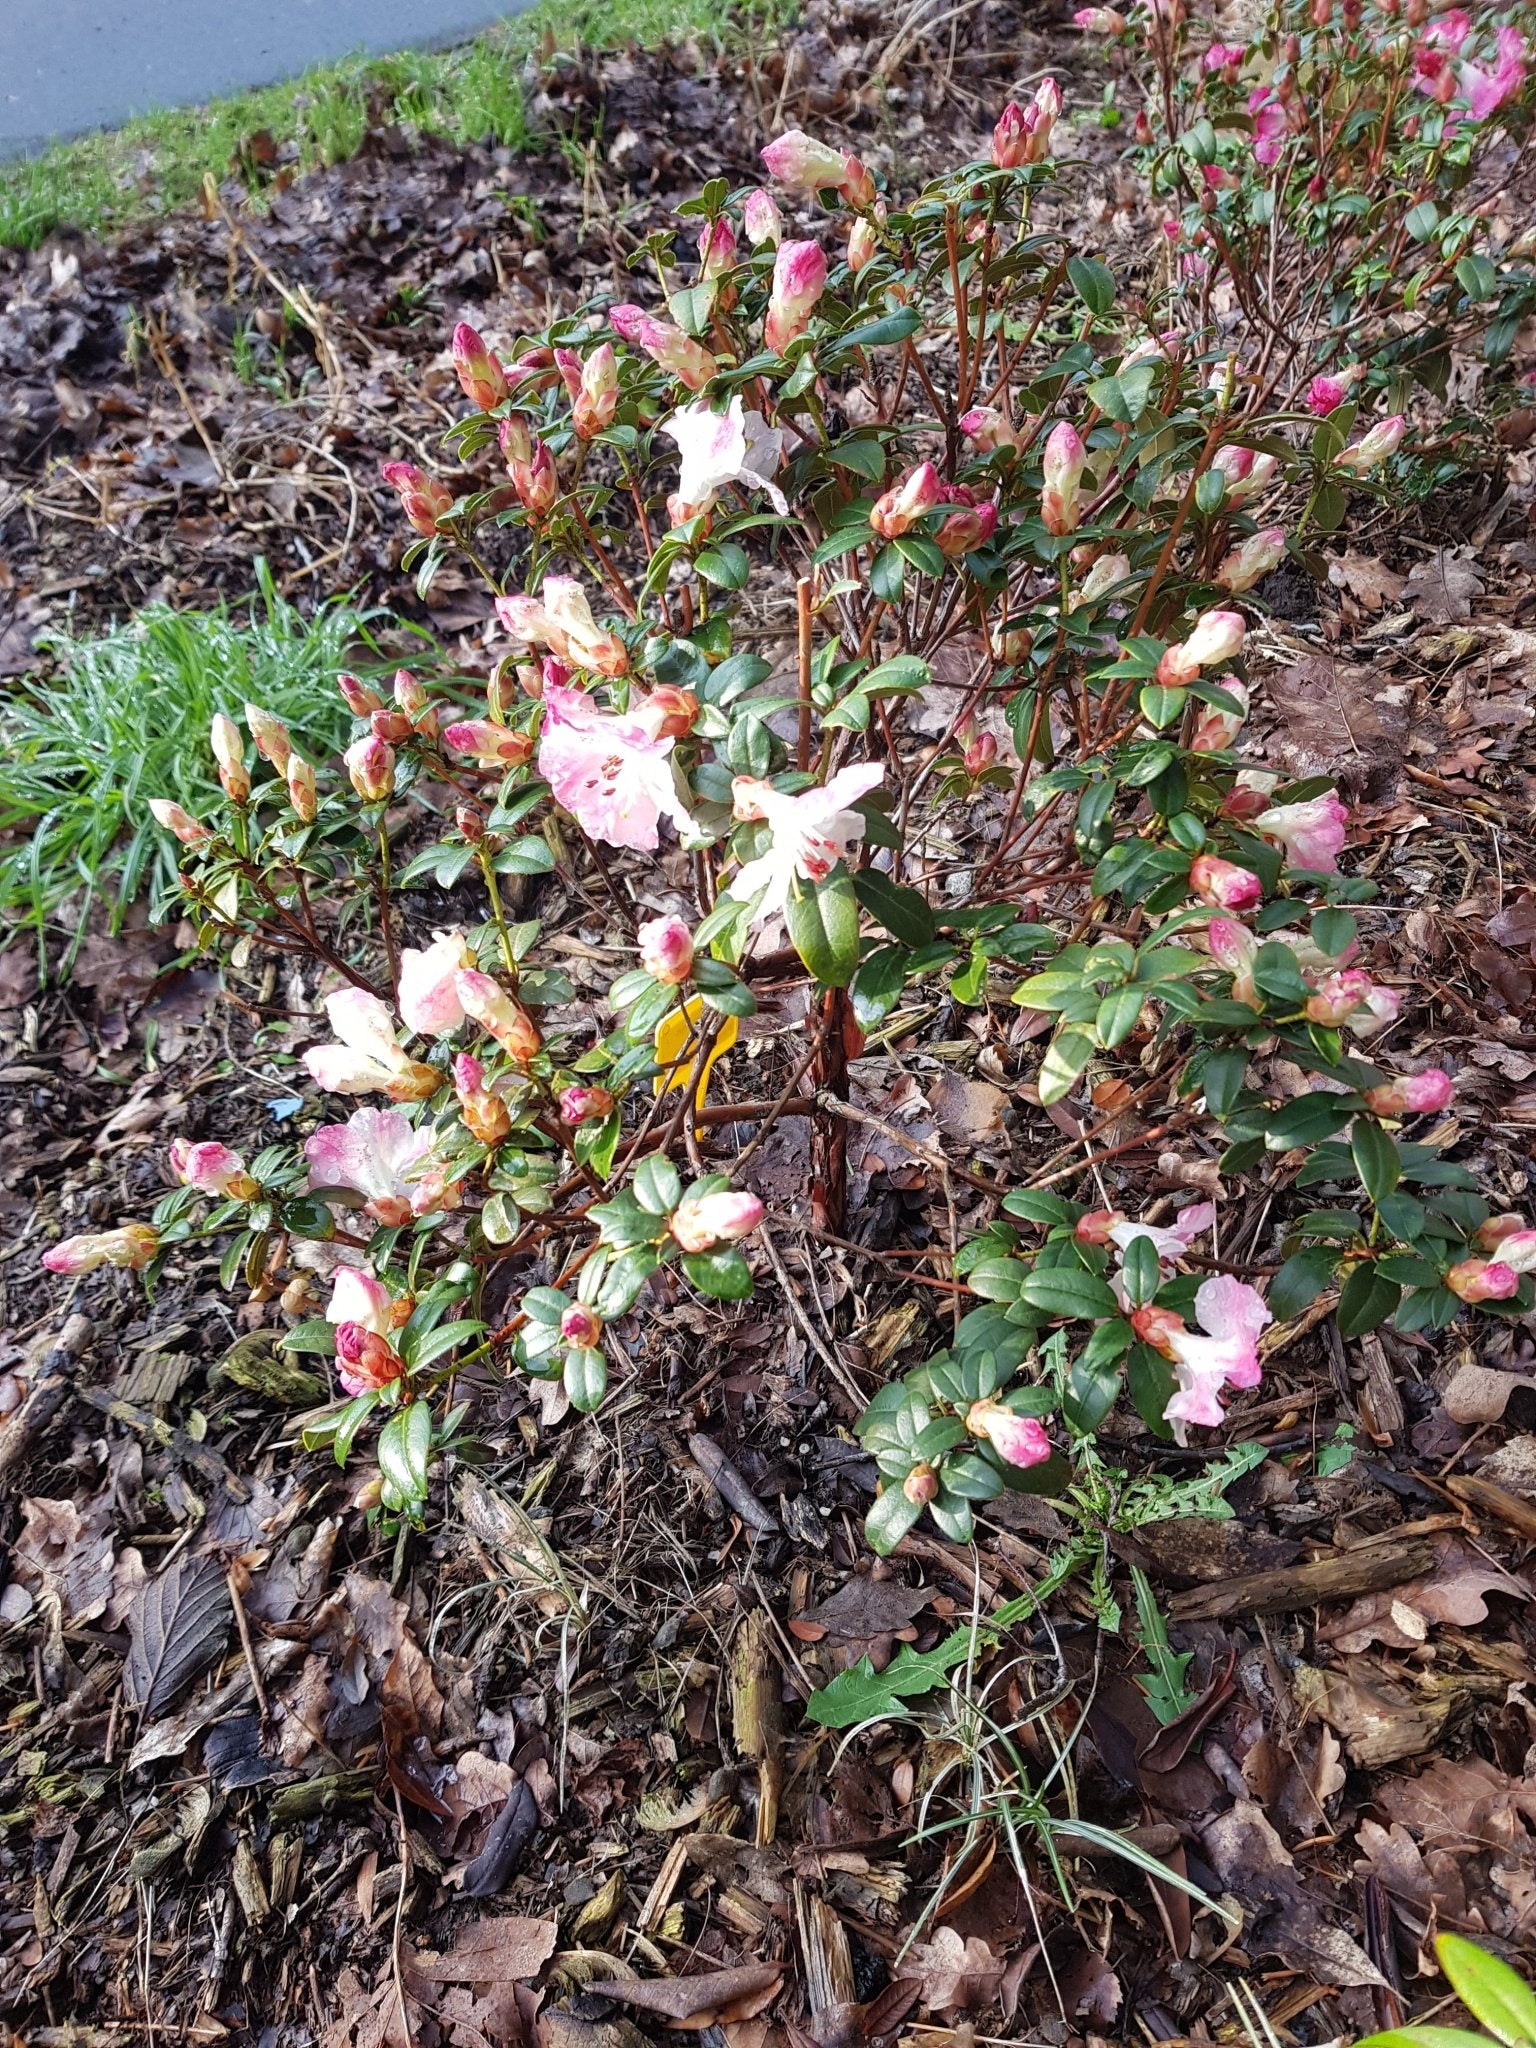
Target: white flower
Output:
{"points": [[811, 833], [720, 448]]}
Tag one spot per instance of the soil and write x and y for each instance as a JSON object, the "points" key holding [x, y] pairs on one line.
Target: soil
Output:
{"points": [[543, 1773]]}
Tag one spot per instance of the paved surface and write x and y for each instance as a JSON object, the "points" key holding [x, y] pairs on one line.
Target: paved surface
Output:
{"points": [[67, 66]]}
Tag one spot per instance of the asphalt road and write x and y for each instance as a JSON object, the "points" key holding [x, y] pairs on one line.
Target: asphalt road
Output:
{"points": [[67, 66]]}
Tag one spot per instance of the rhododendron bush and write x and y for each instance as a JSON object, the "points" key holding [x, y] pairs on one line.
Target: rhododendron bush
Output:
{"points": [[917, 431]]}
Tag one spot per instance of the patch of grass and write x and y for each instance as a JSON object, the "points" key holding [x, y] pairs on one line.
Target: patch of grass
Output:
{"points": [[472, 93], [126, 718]]}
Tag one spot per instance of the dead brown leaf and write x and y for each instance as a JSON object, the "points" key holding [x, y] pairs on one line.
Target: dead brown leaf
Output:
{"points": [[709, 1999], [1344, 720], [1366, 579], [1441, 590], [957, 1975], [503, 1948]]}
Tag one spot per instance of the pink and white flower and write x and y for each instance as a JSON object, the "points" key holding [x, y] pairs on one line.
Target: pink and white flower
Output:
{"points": [[1235, 948], [703, 1221], [1246, 471], [130, 1248], [666, 950], [1217, 638], [1171, 1240], [1311, 833], [1325, 395], [1483, 1280], [488, 744], [760, 217], [229, 753], [372, 1152], [989, 429], [1215, 729], [677, 353], [428, 993], [560, 618], [1373, 448], [810, 833], [481, 377], [270, 734], [423, 499], [799, 279], [1063, 462], [370, 764], [1223, 1352], [212, 1169], [364, 1058], [189, 830], [1350, 998], [920, 490], [487, 1003], [803, 165], [1486, 88], [720, 448], [609, 771], [1223, 884], [717, 248], [1017, 1439], [1422, 1094]]}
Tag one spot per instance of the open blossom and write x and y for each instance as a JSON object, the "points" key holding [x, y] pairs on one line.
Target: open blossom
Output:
{"points": [[423, 499], [720, 448], [580, 1105], [1325, 395], [610, 770], [1350, 998], [1063, 463], [561, 619], [666, 949], [1223, 884], [212, 1169], [1486, 87], [1312, 833], [1223, 1352], [801, 164], [1483, 1280], [761, 219], [1216, 729], [1017, 1439], [1518, 1250], [1107, 572], [1373, 448], [799, 279], [675, 352], [1101, 21], [1423, 1094], [130, 1248], [481, 377], [702, 1221], [1227, 57], [1270, 123], [488, 1004], [1170, 1240], [810, 833], [428, 993], [229, 752], [373, 1152], [189, 830], [364, 1058], [489, 744], [920, 491], [1251, 560], [989, 429], [1217, 638]]}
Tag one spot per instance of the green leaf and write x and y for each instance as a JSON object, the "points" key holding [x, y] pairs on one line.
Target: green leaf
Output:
{"points": [[1365, 1301], [823, 922], [898, 677], [1222, 1079], [1334, 931], [1068, 1291], [723, 1274], [904, 913], [315, 1335], [878, 985], [1118, 1014], [443, 1339], [1093, 282], [891, 1517], [1069, 1052], [881, 333], [527, 856], [586, 1379], [1160, 705], [1489, 1989], [888, 574], [1377, 1160], [658, 1186], [1424, 2037], [405, 1443], [1301, 1280], [726, 566], [1142, 1271]]}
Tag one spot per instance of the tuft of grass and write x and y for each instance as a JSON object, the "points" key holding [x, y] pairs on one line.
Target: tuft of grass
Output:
{"points": [[472, 93], [124, 718]]}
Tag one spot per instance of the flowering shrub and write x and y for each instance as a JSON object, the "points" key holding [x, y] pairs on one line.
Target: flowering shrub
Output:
{"points": [[916, 428]]}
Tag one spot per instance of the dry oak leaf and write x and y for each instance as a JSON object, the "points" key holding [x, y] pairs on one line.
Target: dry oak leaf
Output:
{"points": [[1453, 1592], [956, 1974], [693, 2003], [1441, 589], [1366, 579], [503, 1948]]}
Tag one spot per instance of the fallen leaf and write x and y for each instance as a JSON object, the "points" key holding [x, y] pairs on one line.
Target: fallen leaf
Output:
{"points": [[503, 1948], [1255, 1866], [1441, 590], [178, 1625], [1398, 1619], [956, 1974], [1344, 720], [697, 2002], [1366, 579]]}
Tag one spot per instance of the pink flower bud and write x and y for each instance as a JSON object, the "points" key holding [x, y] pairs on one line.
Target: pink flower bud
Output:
{"points": [[1009, 137], [130, 1248], [212, 1169], [717, 248], [412, 695], [799, 279], [1101, 21], [856, 184], [1497, 1230], [1324, 395], [1023, 134], [980, 753], [1217, 638], [1017, 1439], [801, 164], [300, 777], [485, 1114], [988, 429], [514, 440], [1223, 884], [1482, 1280], [1062, 465], [921, 1485], [580, 1328], [229, 752], [481, 377], [1251, 560], [668, 713], [1157, 1327], [534, 478], [971, 527], [919, 491], [597, 396], [863, 244], [580, 1105], [762, 220], [493, 746], [270, 735], [666, 950], [488, 1003], [356, 695], [371, 764], [391, 724], [1422, 1094], [182, 823], [1245, 471], [365, 1361], [1373, 448], [703, 1221], [423, 499], [1094, 1228], [666, 345], [1216, 730]]}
